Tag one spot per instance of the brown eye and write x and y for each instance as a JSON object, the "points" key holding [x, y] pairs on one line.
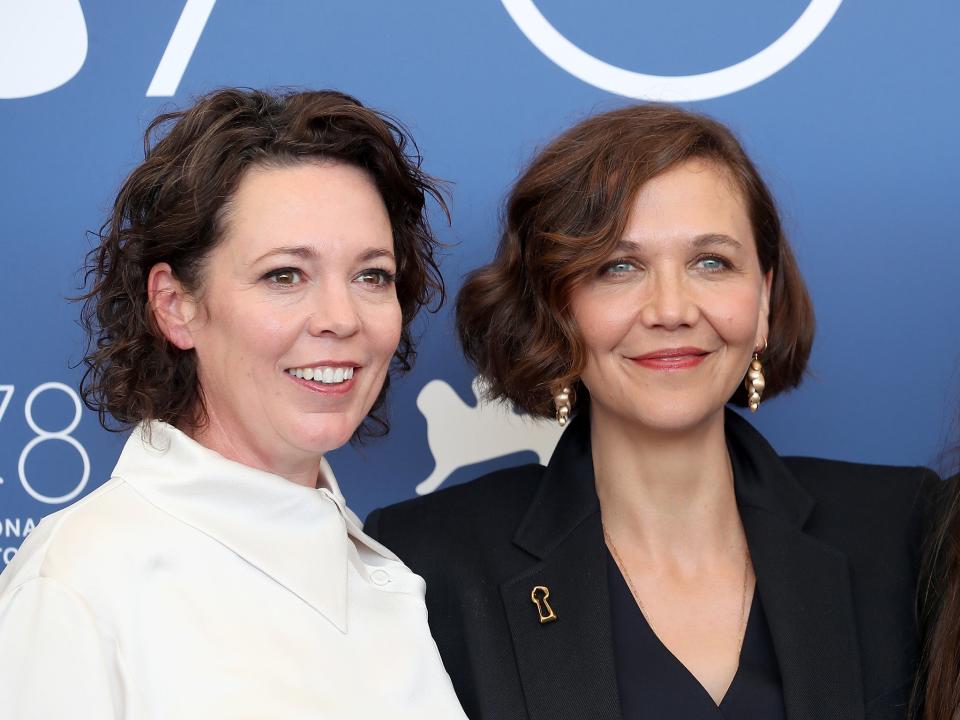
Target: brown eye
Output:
{"points": [[376, 276], [284, 276]]}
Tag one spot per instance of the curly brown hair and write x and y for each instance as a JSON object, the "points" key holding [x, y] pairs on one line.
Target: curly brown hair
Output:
{"points": [[564, 217], [170, 209]]}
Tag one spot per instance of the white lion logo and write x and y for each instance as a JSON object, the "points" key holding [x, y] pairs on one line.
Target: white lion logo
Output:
{"points": [[461, 435], [43, 44]]}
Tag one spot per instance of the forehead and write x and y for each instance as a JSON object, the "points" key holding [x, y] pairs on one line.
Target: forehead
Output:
{"points": [[322, 204], [692, 199]]}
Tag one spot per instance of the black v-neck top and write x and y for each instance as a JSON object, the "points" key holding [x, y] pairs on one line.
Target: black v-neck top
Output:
{"points": [[654, 684]]}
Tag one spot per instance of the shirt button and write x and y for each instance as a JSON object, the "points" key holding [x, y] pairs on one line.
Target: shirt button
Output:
{"points": [[380, 577]]}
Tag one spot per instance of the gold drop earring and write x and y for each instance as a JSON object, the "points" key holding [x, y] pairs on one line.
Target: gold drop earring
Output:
{"points": [[561, 401], [755, 382]]}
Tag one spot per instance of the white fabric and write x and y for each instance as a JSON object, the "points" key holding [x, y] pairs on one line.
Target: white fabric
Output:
{"points": [[189, 586]]}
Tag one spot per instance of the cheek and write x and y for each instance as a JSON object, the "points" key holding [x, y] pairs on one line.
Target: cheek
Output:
{"points": [[734, 315], [246, 334], [384, 325], [603, 319], [599, 337]]}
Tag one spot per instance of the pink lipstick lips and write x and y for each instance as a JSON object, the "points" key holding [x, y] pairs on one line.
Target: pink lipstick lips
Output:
{"points": [[682, 358]]}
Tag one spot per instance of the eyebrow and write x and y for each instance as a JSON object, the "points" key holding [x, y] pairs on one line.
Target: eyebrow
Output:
{"points": [[702, 241], [306, 253], [698, 243]]}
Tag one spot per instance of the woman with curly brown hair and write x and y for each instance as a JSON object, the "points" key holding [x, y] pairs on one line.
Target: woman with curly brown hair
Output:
{"points": [[667, 563], [252, 291]]}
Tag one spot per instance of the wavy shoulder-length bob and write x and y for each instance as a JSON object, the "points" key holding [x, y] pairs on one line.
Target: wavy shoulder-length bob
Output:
{"points": [[171, 209], [564, 217]]}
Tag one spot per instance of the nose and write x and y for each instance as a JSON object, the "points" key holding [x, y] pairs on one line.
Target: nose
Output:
{"points": [[334, 311], [669, 304]]}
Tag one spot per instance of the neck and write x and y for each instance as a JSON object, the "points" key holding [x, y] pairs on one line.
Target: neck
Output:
{"points": [[669, 494], [243, 448]]}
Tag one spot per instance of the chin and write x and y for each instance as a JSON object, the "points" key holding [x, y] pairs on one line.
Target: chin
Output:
{"points": [[674, 419], [322, 436]]}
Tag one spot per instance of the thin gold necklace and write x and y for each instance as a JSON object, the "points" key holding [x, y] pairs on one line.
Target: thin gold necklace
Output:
{"points": [[643, 611]]}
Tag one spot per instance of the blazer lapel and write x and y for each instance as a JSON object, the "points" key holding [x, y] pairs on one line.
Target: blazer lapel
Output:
{"points": [[566, 665], [803, 584]]}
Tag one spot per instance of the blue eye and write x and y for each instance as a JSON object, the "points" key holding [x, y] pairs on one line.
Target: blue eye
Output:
{"points": [[618, 267], [712, 264], [285, 277]]}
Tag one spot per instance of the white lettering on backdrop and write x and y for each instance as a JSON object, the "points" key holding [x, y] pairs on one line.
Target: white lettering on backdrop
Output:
{"points": [[672, 88]]}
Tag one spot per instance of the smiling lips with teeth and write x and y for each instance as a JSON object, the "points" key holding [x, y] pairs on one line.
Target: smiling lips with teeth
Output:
{"points": [[324, 375]]}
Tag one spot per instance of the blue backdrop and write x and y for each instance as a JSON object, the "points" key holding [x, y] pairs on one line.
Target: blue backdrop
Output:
{"points": [[848, 107]]}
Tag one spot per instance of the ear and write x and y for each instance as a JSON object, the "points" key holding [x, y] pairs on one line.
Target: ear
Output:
{"points": [[763, 321], [172, 306]]}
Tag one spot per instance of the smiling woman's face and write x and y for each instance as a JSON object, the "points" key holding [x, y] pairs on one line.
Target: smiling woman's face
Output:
{"points": [[298, 317], [671, 320]]}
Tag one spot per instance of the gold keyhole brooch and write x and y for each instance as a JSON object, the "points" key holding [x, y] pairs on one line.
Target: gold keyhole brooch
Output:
{"points": [[538, 596]]}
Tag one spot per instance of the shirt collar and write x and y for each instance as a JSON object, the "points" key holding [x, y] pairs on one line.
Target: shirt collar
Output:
{"points": [[296, 535]]}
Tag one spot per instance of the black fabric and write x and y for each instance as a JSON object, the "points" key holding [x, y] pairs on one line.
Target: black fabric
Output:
{"points": [[654, 684], [834, 546]]}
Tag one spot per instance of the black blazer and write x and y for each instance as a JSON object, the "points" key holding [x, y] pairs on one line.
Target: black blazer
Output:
{"points": [[835, 548]]}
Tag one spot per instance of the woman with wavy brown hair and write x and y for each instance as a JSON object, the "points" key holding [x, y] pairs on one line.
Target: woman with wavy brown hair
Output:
{"points": [[667, 563], [251, 293]]}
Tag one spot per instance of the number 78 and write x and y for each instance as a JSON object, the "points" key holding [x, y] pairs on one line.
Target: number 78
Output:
{"points": [[41, 436]]}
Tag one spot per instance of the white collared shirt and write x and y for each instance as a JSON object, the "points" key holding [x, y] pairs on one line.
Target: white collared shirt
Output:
{"points": [[190, 586]]}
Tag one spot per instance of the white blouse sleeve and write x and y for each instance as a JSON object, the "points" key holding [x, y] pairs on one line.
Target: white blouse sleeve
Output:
{"points": [[54, 661]]}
